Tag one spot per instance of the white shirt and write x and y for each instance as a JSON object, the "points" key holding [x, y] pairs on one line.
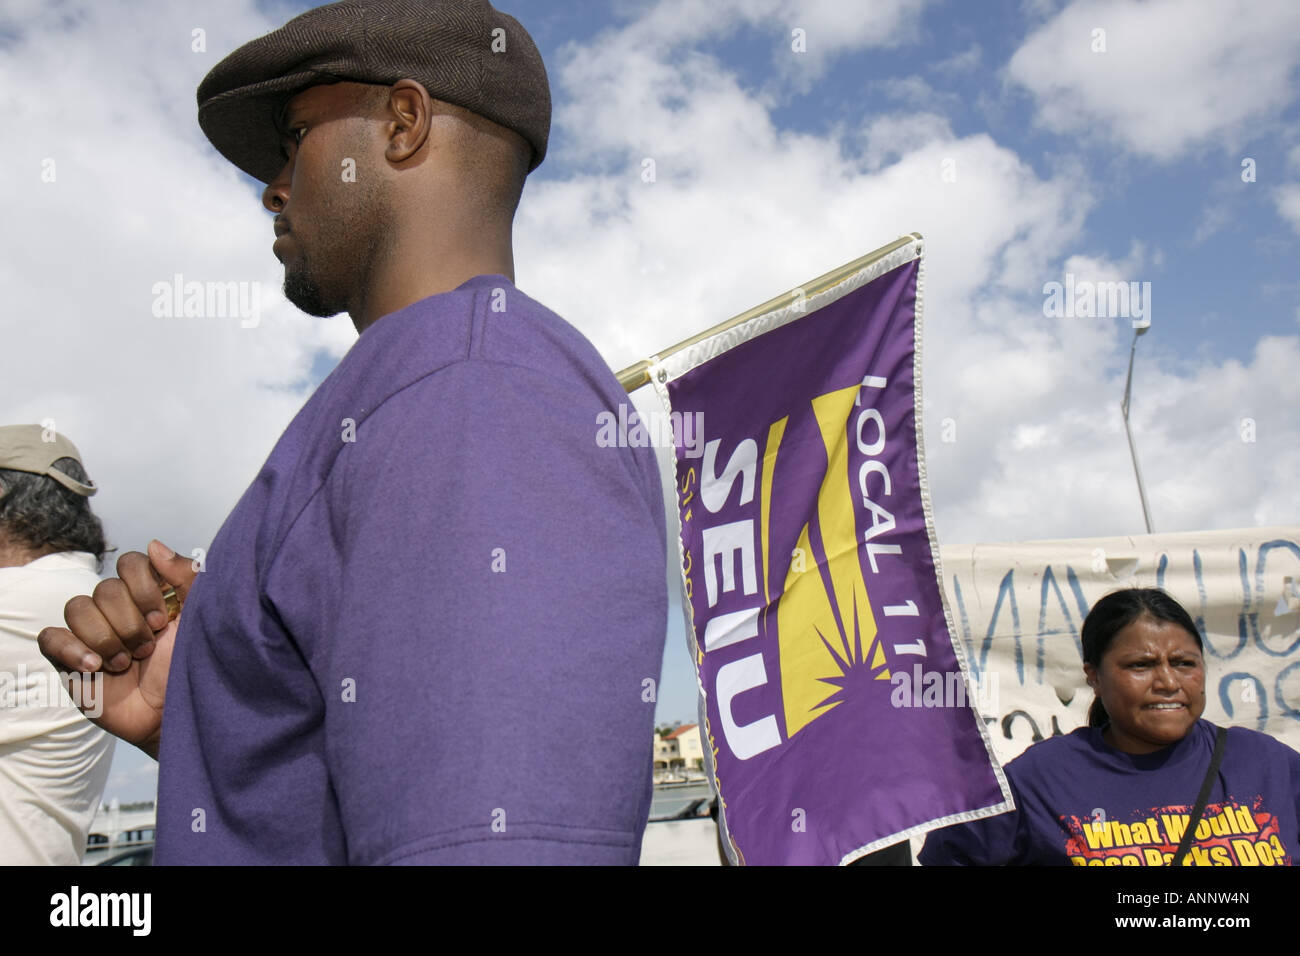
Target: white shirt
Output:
{"points": [[53, 761]]}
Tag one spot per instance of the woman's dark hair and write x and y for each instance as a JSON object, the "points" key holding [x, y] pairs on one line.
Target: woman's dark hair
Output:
{"points": [[39, 513], [1117, 611]]}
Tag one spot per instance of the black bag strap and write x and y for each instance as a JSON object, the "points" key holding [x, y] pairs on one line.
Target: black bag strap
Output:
{"points": [[1215, 759]]}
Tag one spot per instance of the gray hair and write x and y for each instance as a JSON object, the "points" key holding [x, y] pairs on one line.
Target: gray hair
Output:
{"points": [[39, 513]]}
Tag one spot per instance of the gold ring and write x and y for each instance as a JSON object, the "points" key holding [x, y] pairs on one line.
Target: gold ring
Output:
{"points": [[173, 602]]}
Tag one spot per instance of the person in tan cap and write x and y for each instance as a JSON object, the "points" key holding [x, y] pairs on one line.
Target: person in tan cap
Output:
{"points": [[54, 762], [431, 630]]}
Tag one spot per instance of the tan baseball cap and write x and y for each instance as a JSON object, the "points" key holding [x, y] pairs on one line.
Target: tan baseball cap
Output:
{"points": [[26, 448]]}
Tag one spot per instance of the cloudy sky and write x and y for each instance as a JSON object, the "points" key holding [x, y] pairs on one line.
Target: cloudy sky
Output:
{"points": [[1154, 142]]}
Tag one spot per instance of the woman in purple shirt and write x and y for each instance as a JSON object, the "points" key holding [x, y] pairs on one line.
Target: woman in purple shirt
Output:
{"points": [[1121, 791]]}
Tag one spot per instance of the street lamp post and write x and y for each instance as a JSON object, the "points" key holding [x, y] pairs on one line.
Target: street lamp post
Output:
{"points": [[1124, 407]]}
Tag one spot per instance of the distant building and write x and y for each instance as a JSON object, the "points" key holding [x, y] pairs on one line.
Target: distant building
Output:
{"points": [[665, 752], [680, 748], [690, 749]]}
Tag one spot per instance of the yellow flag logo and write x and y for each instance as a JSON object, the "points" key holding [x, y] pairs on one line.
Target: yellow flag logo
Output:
{"points": [[827, 633]]}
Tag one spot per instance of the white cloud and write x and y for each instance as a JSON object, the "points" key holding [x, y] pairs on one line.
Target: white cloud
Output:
{"points": [[915, 92], [889, 137], [1175, 74], [765, 209], [826, 32], [173, 415], [670, 23], [963, 62], [832, 31], [1214, 217], [1132, 268], [742, 210], [1040, 9], [1287, 199]]}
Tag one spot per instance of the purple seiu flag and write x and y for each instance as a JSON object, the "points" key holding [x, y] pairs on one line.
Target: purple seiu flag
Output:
{"points": [[835, 706]]}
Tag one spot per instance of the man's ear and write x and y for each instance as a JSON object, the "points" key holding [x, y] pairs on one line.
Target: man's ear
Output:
{"points": [[410, 112]]}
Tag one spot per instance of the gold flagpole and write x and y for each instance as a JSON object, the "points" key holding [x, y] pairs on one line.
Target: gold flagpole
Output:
{"points": [[634, 376]]}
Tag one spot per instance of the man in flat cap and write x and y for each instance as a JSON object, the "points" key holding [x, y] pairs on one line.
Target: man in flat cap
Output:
{"points": [[54, 763], [426, 632]]}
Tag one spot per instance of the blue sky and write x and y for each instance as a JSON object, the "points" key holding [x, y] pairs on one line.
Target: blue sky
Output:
{"points": [[772, 166], [1229, 283]]}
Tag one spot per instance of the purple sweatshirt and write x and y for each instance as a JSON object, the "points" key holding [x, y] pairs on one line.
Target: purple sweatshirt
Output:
{"points": [[1081, 802], [427, 632]]}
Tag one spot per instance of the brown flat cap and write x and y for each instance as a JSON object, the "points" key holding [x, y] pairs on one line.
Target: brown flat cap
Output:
{"points": [[464, 52]]}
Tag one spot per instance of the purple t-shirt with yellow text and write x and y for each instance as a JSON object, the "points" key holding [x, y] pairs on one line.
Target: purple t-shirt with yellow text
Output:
{"points": [[1081, 802]]}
